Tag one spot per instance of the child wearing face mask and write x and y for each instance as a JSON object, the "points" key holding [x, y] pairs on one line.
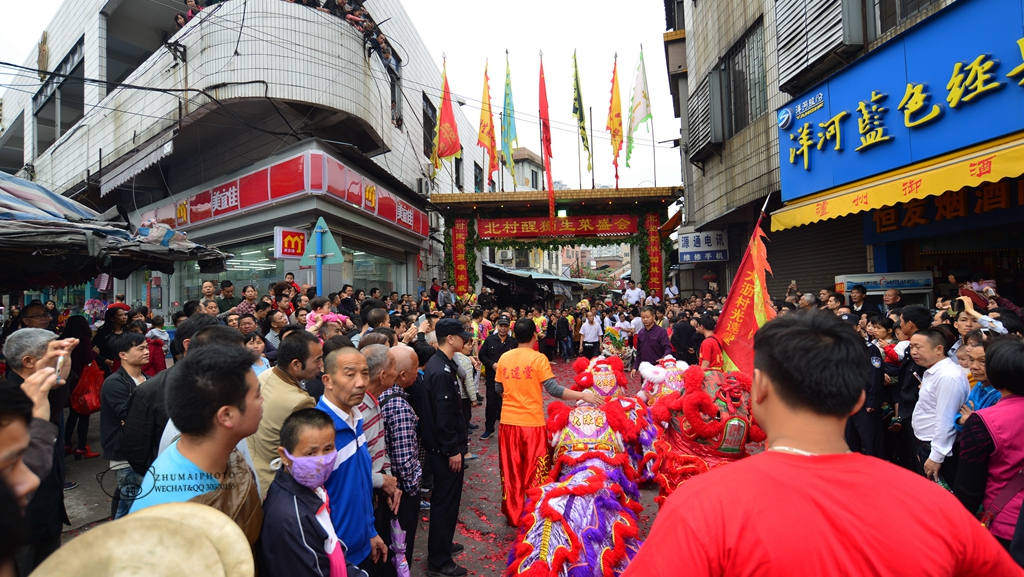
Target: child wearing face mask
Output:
{"points": [[298, 537]]}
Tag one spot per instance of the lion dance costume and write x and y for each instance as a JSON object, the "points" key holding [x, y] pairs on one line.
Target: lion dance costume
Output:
{"points": [[706, 424], [583, 523]]}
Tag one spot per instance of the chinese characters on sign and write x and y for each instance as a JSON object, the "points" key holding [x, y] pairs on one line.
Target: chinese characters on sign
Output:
{"points": [[656, 272], [534, 226], [968, 82], [966, 203], [459, 235], [708, 246], [289, 243]]}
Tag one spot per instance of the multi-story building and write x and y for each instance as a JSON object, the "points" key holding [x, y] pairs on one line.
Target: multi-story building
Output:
{"points": [[761, 86], [254, 115]]}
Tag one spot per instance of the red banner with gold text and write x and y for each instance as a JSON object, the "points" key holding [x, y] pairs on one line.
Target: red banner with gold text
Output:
{"points": [[534, 226], [655, 286], [459, 234]]}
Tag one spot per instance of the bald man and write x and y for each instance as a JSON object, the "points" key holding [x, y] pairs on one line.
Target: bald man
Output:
{"points": [[402, 443]]}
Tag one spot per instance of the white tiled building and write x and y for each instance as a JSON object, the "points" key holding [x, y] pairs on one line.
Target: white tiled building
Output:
{"points": [[280, 101]]}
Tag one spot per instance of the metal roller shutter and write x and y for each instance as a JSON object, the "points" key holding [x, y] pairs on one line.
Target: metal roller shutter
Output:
{"points": [[814, 254]]}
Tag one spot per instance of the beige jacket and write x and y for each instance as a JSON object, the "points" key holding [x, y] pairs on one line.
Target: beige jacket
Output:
{"points": [[282, 396]]}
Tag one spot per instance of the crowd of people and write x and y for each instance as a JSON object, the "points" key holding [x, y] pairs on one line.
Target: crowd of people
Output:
{"points": [[324, 425]]}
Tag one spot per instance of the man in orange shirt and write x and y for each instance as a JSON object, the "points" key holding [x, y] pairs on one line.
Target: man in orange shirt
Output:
{"points": [[521, 377]]}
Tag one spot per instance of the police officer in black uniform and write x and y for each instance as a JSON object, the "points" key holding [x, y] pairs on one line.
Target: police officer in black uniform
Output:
{"points": [[864, 428], [496, 344], [444, 437]]}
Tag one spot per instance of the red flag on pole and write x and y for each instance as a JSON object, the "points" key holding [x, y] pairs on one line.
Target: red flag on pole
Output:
{"points": [[545, 141], [748, 306]]}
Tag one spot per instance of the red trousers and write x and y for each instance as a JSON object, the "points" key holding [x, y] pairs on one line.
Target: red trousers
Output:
{"points": [[525, 463]]}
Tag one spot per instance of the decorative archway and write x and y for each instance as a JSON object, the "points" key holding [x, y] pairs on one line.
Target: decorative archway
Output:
{"points": [[520, 220]]}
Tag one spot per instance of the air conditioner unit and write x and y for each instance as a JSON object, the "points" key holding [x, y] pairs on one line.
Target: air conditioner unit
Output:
{"points": [[506, 254]]}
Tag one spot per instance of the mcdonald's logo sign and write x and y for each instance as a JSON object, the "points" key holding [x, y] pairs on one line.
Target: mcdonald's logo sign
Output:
{"points": [[289, 243]]}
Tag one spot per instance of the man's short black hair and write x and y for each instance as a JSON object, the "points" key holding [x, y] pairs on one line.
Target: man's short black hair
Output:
{"points": [[262, 306], [300, 421], [337, 342], [219, 334], [423, 352], [190, 326], [937, 337], [1004, 364], [295, 347], [370, 304], [859, 288], [127, 341], [376, 317], [918, 315], [651, 310], [190, 308], [226, 284], [814, 361], [287, 330], [206, 380], [708, 322], [524, 330]]}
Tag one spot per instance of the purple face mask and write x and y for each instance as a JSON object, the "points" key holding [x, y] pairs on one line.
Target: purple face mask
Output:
{"points": [[312, 472]]}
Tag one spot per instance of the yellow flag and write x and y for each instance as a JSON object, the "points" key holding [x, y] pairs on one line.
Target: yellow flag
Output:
{"points": [[615, 119]]}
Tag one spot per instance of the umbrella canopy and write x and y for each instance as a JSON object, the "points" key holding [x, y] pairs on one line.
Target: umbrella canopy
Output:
{"points": [[48, 240]]}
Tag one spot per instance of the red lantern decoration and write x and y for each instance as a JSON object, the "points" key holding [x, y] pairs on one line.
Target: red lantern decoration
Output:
{"points": [[710, 276]]}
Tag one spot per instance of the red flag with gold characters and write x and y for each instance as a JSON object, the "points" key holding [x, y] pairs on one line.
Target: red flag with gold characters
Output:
{"points": [[446, 134], [748, 306], [545, 141]]}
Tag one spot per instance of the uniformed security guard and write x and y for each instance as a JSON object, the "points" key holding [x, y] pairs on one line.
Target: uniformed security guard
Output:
{"points": [[864, 428], [443, 434], [495, 345]]}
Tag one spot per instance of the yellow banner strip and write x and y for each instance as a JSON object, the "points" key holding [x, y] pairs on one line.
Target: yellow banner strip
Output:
{"points": [[990, 162]]}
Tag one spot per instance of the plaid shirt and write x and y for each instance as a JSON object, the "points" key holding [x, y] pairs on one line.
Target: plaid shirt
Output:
{"points": [[400, 436]]}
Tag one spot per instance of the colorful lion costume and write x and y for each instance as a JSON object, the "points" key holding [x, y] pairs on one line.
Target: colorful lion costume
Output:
{"points": [[583, 523], [604, 375], [661, 379], [705, 425], [614, 344]]}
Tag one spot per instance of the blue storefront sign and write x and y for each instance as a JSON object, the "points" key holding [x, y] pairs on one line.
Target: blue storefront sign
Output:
{"points": [[954, 80], [710, 246]]}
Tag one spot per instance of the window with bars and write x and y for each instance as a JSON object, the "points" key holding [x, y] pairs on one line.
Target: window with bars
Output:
{"points": [[745, 90], [890, 13], [429, 122], [478, 177]]}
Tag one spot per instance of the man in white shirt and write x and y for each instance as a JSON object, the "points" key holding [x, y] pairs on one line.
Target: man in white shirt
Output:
{"points": [[671, 292], [590, 336], [633, 296], [944, 389]]}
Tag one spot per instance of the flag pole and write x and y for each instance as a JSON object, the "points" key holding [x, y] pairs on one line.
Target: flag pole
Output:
{"points": [[504, 165], [654, 153], [592, 184]]}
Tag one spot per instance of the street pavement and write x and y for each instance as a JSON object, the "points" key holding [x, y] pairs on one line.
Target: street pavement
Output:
{"points": [[482, 528]]}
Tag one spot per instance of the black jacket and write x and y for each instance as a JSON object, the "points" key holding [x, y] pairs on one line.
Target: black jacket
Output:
{"points": [[347, 306], [874, 388], [682, 341], [144, 422], [562, 329], [117, 391], [491, 351], [442, 425], [909, 382], [290, 524]]}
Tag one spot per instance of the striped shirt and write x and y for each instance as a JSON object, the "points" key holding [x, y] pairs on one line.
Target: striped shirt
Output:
{"points": [[373, 427]]}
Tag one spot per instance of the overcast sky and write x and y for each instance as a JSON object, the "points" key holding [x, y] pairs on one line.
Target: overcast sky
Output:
{"points": [[470, 32]]}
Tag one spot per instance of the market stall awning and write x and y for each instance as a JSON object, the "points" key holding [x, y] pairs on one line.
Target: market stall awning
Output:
{"points": [[989, 162], [48, 240]]}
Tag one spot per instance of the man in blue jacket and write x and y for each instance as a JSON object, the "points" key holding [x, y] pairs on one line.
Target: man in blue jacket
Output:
{"points": [[350, 486]]}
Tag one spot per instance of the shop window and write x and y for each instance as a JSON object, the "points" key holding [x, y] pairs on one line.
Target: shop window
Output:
{"points": [[478, 177], [744, 84], [429, 123]]}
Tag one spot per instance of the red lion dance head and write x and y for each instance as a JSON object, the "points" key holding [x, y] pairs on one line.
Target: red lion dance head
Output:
{"points": [[602, 374], [707, 424]]}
